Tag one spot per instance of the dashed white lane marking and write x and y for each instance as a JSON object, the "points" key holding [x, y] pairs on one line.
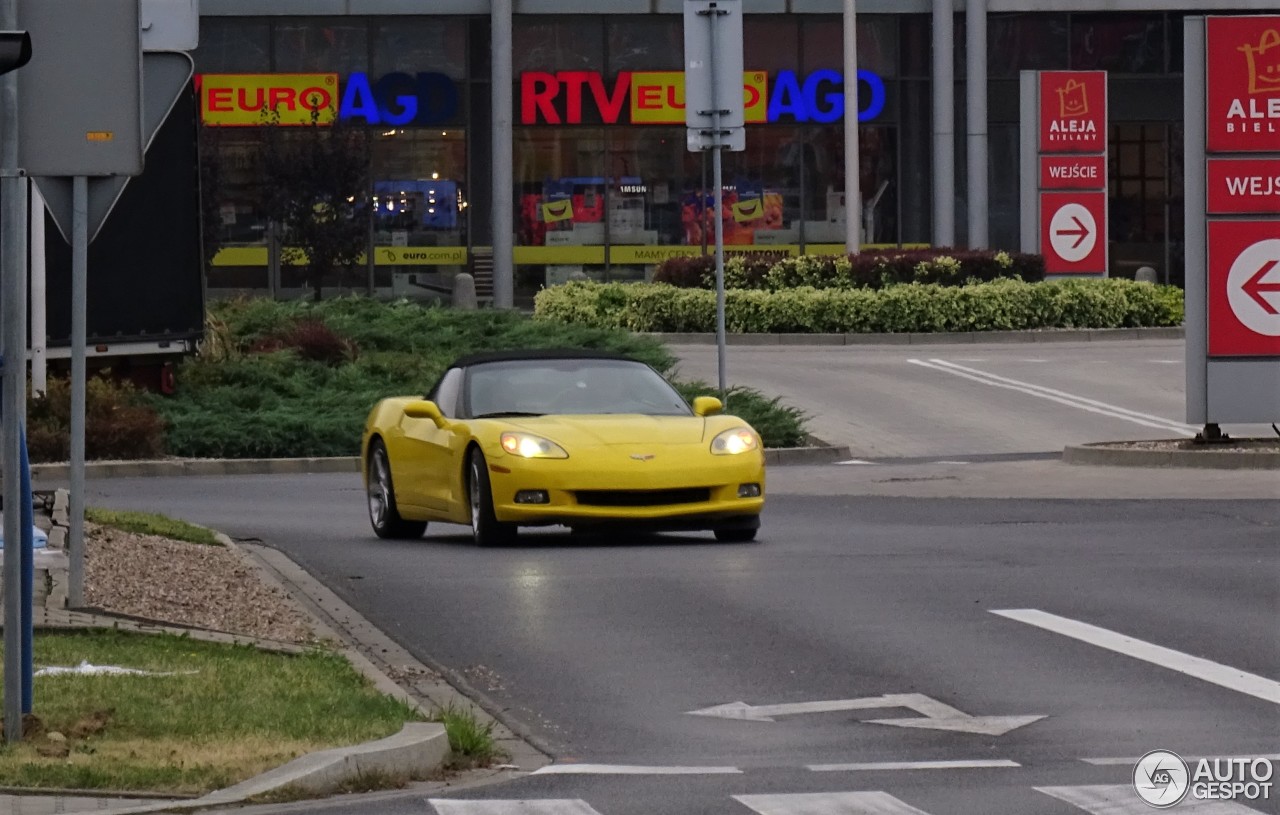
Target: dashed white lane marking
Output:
{"points": [[1207, 670], [547, 806], [630, 769], [1121, 800], [828, 803], [1132, 760], [1054, 395], [875, 766], [855, 461]]}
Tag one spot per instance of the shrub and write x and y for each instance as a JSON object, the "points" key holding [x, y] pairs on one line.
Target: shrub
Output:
{"points": [[118, 422], [779, 425], [910, 307], [871, 270]]}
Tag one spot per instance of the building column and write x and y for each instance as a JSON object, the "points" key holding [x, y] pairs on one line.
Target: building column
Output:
{"points": [[976, 145], [944, 125], [503, 205]]}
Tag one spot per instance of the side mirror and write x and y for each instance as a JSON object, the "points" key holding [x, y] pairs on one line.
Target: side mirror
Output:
{"points": [[424, 409], [707, 406]]}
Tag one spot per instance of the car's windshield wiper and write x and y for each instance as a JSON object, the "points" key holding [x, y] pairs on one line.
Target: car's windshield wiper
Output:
{"points": [[504, 413]]}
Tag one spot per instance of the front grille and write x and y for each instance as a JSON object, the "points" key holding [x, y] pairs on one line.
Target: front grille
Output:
{"points": [[642, 498]]}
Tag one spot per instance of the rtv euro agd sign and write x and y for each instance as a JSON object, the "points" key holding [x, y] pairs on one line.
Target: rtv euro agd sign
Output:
{"points": [[1163, 779]]}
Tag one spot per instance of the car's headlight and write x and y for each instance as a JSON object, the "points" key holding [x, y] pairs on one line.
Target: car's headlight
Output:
{"points": [[735, 441], [527, 445]]}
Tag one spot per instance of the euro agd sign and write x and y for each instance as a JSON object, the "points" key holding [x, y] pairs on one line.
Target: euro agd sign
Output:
{"points": [[657, 97], [252, 100]]}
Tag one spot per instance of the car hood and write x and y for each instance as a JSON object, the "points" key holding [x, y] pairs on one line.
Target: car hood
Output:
{"points": [[600, 430]]}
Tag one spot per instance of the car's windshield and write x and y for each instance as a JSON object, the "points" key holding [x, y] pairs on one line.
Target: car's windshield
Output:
{"points": [[540, 386]]}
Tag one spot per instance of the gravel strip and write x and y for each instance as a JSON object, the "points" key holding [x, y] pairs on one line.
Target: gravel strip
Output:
{"points": [[188, 584]]}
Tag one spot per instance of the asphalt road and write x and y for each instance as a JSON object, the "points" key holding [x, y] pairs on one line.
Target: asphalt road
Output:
{"points": [[972, 400], [963, 568], [602, 648]]}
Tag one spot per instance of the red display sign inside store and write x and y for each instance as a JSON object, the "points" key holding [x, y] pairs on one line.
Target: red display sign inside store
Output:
{"points": [[1073, 172], [1073, 112], [1242, 76]]}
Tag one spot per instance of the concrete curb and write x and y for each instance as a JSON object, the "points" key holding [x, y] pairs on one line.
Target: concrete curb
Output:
{"points": [[168, 468], [938, 338], [418, 745], [822, 454], [1100, 454]]}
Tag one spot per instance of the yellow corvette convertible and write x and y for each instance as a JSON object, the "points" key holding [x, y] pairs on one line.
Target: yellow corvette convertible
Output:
{"points": [[578, 438]]}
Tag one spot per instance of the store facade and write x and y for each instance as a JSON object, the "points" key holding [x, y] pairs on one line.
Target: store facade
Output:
{"points": [[602, 180]]}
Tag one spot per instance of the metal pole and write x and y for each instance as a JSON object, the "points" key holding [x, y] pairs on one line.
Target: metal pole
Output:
{"points": [[39, 322], [503, 146], [852, 164], [944, 125], [79, 310], [718, 181], [976, 118], [13, 401]]}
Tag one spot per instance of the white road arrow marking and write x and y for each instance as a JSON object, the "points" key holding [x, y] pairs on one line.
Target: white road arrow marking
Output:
{"points": [[937, 716]]}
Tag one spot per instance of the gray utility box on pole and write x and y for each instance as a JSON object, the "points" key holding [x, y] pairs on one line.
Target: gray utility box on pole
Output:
{"points": [[82, 92]]}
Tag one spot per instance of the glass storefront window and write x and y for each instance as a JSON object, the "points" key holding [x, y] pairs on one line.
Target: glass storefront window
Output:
{"points": [[419, 207], [1122, 43], [568, 43], [315, 46], [770, 42], [436, 44], [1026, 42], [645, 43], [233, 45], [560, 204], [652, 173], [823, 43]]}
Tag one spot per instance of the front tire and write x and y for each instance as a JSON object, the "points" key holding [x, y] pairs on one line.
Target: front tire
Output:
{"points": [[485, 526], [736, 534], [383, 515]]}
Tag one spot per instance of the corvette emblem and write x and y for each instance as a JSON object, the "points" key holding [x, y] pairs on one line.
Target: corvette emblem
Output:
{"points": [[642, 456]]}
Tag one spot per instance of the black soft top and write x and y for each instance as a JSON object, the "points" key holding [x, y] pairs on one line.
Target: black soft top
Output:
{"points": [[515, 355]]}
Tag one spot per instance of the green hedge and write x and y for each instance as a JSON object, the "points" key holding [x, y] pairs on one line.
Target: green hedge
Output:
{"points": [[914, 307], [869, 270]]}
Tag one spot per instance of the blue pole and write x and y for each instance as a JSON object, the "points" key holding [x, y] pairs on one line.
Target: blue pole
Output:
{"points": [[28, 575]]}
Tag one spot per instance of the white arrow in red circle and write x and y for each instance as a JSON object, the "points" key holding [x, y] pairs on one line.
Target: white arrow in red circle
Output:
{"points": [[1081, 231], [1255, 286]]}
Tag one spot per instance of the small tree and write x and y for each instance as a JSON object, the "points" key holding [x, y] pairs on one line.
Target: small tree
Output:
{"points": [[315, 185]]}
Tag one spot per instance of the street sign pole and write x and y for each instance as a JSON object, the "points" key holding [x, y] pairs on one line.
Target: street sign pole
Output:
{"points": [[717, 179], [79, 333], [852, 157], [714, 116]]}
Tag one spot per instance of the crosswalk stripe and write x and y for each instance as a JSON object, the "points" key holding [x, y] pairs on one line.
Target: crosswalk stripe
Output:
{"points": [[546, 806], [874, 766], [1122, 800], [630, 769], [828, 803]]}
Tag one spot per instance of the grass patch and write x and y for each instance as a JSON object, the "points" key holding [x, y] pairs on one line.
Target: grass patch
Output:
{"points": [[240, 713], [148, 523], [470, 741]]}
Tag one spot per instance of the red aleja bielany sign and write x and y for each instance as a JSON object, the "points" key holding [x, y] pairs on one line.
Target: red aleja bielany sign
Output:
{"points": [[1073, 112], [1243, 81]]}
